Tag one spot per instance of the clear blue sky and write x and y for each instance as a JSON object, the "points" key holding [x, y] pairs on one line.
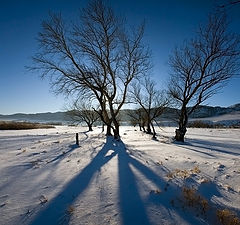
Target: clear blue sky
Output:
{"points": [[168, 23]]}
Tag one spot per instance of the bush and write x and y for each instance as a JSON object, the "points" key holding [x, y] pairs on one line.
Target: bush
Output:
{"points": [[193, 199], [202, 124], [12, 125], [226, 217]]}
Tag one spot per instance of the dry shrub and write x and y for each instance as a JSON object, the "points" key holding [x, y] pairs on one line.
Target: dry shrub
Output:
{"points": [[178, 173], [170, 175], [193, 199], [227, 217], [204, 124], [12, 125], [70, 210], [183, 173], [195, 170]]}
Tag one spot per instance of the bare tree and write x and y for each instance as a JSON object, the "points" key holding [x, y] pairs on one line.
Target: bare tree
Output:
{"points": [[83, 112], [152, 101], [138, 117], [202, 66], [96, 57], [229, 3]]}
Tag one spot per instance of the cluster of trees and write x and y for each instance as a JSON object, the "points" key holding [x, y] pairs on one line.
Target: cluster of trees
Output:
{"points": [[107, 64], [151, 103], [82, 112]]}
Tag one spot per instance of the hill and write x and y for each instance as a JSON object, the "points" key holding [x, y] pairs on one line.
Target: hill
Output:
{"points": [[57, 117], [170, 113]]}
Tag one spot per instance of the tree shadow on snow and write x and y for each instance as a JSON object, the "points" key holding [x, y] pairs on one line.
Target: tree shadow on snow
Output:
{"points": [[209, 147], [65, 153], [56, 208], [222, 147], [132, 206]]}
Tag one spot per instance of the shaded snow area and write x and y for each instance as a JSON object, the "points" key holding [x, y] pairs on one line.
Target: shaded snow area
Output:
{"points": [[46, 179]]}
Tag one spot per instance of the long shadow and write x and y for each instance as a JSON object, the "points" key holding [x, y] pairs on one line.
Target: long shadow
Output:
{"points": [[71, 148], [210, 145], [218, 147], [130, 199], [198, 151], [132, 206], [131, 203], [55, 210]]}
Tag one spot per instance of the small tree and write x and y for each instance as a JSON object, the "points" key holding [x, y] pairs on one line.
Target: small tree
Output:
{"points": [[151, 101], [83, 112], [138, 117], [201, 67]]}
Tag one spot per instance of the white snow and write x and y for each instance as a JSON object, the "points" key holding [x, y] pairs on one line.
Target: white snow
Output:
{"points": [[46, 179]]}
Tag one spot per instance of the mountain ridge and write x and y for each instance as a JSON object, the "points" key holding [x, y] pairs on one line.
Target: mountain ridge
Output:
{"points": [[202, 111]]}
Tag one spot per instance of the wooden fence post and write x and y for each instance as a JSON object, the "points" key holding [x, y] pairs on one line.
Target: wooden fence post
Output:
{"points": [[77, 141]]}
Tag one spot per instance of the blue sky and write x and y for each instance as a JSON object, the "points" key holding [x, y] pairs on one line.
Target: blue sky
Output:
{"points": [[168, 23]]}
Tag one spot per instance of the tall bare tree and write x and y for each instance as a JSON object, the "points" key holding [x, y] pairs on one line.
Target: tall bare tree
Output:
{"points": [[96, 57], [152, 102], [202, 66]]}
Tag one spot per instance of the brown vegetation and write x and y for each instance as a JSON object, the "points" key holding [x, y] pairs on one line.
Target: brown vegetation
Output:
{"points": [[12, 125], [183, 173], [193, 199], [226, 217], [202, 124]]}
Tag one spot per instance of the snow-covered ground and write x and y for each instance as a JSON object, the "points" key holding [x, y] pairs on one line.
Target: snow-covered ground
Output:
{"points": [[46, 179]]}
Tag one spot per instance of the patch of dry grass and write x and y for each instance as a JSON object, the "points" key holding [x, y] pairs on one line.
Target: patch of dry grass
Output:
{"points": [[183, 173], [203, 124], [193, 199], [70, 210], [12, 125], [227, 217]]}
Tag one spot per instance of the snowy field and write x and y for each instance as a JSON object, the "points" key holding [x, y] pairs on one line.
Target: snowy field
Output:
{"points": [[46, 179]]}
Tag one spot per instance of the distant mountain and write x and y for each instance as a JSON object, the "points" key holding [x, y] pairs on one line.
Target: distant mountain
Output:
{"points": [[210, 111], [57, 117], [170, 113]]}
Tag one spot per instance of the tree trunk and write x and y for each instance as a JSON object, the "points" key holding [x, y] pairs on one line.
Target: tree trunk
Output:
{"points": [[140, 127], [109, 130], [90, 127], [103, 127], [149, 131], [180, 133], [116, 131], [144, 130], [182, 125], [154, 132]]}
